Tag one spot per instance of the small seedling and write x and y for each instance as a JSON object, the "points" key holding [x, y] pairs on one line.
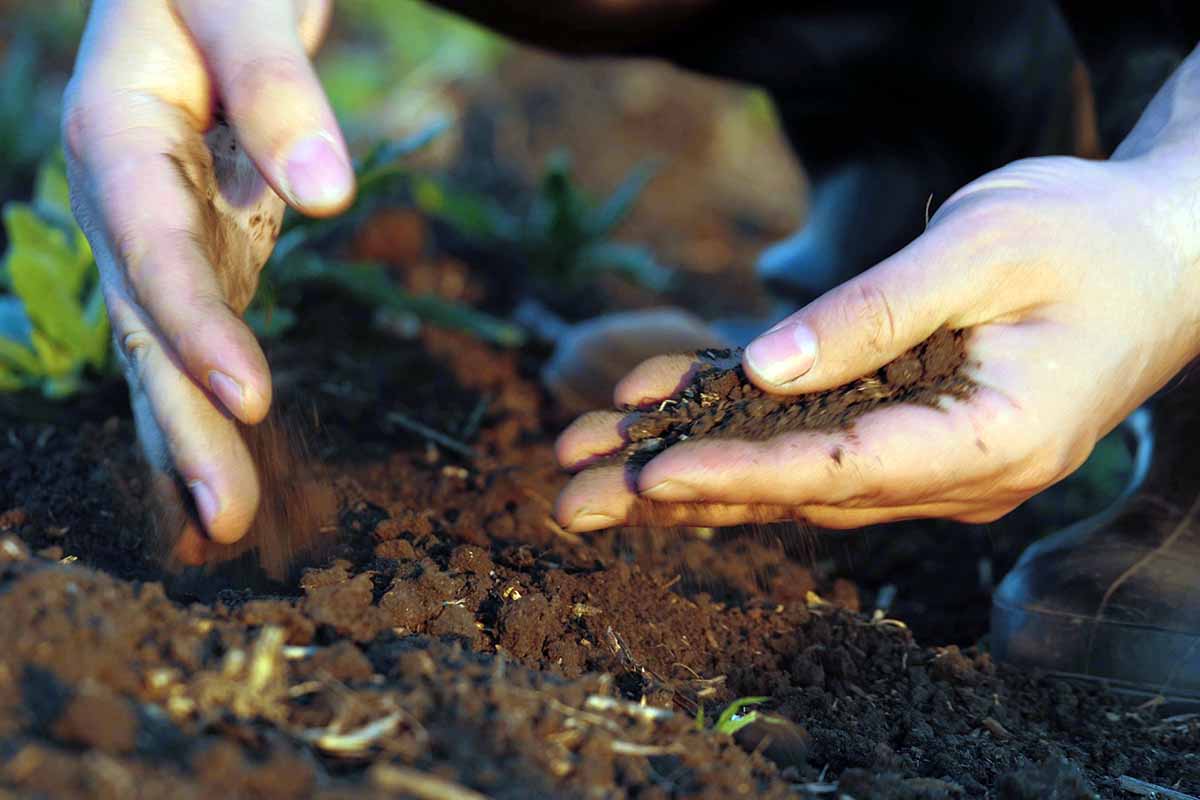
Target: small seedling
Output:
{"points": [[563, 236], [734, 717]]}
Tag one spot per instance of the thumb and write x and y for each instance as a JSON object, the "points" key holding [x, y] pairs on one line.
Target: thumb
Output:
{"points": [[868, 321], [272, 98]]}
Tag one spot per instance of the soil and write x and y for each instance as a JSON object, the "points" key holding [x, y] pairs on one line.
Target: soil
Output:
{"points": [[456, 640], [720, 401]]}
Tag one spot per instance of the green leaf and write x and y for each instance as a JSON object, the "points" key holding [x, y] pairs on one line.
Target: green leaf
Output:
{"points": [[270, 322], [9, 380], [603, 220], [17, 357], [47, 274], [51, 193], [387, 158], [55, 361], [371, 286], [62, 386], [733, 720], [634, 263], [470, 213]]}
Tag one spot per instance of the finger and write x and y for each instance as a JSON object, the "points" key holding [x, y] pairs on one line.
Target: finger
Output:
{"points": [[899, 456], [655, 380], [940, 279], [150, 241], [273, 99], [181, 429], [595, 499], [602, 498], [835, 518], [591, 436]]}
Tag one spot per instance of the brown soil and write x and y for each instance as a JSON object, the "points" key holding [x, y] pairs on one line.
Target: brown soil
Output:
{"points": [[720, 401], [458, 640]]}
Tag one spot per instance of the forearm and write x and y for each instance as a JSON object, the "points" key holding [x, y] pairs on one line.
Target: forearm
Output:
{"points": [[582, 26]]}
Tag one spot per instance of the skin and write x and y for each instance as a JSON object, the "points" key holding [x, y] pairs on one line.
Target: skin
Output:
{"points": [[1079, 279], [149, 76]]}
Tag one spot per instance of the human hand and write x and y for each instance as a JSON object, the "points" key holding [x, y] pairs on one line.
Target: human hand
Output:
{"points": [[1080, 283], [149, 78]]}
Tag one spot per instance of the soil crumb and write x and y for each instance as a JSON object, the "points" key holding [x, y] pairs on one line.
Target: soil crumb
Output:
{"points": [[293, 510], [720, 400]]}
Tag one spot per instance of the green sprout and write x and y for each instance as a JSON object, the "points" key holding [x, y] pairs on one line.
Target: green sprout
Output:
{"points": [[54, 331], [734, 717]]}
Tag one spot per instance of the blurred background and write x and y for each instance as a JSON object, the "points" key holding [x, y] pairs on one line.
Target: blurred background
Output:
{"points": [[725, 186]]}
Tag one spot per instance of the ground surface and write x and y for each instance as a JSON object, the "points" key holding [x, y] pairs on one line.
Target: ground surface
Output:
{"points": [[460, 635], [456, 641]]}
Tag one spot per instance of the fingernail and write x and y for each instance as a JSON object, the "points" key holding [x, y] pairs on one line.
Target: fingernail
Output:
{"points": [[783, 354], [206, 501], [585, 523], [318, 175], [229, 391], [668, 490]]}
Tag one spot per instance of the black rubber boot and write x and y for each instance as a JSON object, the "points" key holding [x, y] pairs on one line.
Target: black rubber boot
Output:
{"points": [[921, 102], [1115, 598], [860, 212]]}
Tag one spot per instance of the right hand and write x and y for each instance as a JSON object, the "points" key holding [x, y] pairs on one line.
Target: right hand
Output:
{"points": [[149, 75]]}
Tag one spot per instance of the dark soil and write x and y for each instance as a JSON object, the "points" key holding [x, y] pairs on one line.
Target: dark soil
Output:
{"points": [[458, 639], [720, 401]]}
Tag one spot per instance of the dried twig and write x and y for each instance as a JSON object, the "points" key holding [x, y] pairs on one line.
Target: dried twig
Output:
{"points": [[355, 741], [437, 437], [421, 785], [598, 702], [634, 749], [1134, 786]]}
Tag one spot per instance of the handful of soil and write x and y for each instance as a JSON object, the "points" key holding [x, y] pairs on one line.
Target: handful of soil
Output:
{"points": [[720, 401]]}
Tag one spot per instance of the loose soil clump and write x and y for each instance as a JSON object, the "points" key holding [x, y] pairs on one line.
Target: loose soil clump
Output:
{"points": [[720, 401]]}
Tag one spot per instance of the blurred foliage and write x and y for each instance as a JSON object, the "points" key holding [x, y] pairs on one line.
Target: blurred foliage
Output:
{"points": [[299, 261], [388, 60], [563, 235], [28, 115], [53, 327]]}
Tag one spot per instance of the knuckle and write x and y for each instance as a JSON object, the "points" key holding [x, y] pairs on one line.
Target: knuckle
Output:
{"points": [[1044, 467], [871, 310], [134, 350], [987, 515], [78, 123], [255, 81]]}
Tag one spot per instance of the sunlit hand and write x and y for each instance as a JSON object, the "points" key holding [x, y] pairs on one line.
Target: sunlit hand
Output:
{"points": [[149, 77], [1080, 281]]}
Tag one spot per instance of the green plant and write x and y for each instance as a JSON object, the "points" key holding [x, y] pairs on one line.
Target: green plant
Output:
{"points": [[53, 326], [734, 717], [564, 235], [297, 262]]}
